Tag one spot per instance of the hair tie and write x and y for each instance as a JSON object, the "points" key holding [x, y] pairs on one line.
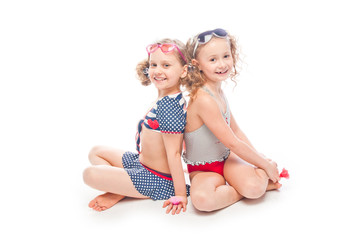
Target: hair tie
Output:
{"points": [[191, 67], [146, 72]]}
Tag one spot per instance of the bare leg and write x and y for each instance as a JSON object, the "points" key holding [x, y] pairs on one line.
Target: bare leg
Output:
{"points": [[249, 181], [114, 181], [209, 191], [101, 155]]}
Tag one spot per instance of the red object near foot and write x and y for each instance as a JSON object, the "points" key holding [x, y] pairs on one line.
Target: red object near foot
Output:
{"points": [[284, 174]]}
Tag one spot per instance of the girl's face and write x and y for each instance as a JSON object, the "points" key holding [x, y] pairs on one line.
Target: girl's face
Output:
{"points": [[165, 70], [215, 60]]}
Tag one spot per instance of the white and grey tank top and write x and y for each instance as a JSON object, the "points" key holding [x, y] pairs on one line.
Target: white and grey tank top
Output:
{"points": [[202, 146]]}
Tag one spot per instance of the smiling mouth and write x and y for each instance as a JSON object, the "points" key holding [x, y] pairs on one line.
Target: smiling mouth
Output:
{"points": [[225, 71], [159, 79]]}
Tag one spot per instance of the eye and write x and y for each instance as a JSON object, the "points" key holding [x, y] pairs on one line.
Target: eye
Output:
{"points": [[227, 56], [212, 59], [153, 65], [166, 65]]}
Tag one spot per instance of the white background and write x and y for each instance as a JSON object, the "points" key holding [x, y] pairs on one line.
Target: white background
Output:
{"points": [[68, 83]]}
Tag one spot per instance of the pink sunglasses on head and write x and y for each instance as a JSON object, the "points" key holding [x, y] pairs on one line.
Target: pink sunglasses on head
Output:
{"points": [[165, 47]]}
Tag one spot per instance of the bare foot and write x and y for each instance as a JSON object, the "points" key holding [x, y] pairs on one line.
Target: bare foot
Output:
{"points": [[273, 186], [105, 201]]}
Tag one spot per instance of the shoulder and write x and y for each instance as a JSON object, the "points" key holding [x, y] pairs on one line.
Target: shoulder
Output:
{"points": [[204, 102], [171, 105], [171, 114], [172, 100]]}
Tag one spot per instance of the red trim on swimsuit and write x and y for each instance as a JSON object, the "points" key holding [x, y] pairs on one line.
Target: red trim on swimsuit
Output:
{"points": [[159, 174], [216, 167], [171, 132]]}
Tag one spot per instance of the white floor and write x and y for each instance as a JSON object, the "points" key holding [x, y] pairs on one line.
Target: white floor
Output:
{"points": [[67, 83], [52, 202], [308, 206]]}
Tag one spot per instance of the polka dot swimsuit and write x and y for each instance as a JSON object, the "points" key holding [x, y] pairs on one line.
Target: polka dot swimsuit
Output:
{"points": [[147, 181], [168, 115]]}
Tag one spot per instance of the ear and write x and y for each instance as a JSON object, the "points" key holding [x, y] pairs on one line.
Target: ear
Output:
{"points": [[185, 71], [195, 62]]}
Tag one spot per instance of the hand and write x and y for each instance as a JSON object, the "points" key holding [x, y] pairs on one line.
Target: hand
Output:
{"points": [[175, 204], [272, 171]]}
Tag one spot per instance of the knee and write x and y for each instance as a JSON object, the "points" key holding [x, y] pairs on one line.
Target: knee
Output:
{"points": [[253, 189], [95, 152], [203, 201], [90, 175]]}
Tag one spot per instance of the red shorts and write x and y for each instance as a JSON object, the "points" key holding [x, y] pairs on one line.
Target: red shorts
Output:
{"points": [[216, 167]]}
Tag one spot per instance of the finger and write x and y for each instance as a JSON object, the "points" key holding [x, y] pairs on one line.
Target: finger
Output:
{"points": [[179, 208], [184, 207], [275, 179], [174, 209], [169, 207], [166, 203], [278, 176]]}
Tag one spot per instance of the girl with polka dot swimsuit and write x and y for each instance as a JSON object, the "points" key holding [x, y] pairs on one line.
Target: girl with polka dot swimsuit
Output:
{"points": [[155, 171]]}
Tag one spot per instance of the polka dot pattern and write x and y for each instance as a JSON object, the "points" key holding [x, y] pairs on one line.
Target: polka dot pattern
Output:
{"points": [[146, 182], [171, 116], [168, 115]]}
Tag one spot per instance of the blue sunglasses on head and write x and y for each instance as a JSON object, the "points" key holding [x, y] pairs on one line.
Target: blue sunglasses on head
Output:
{"points": [[205, 37]]}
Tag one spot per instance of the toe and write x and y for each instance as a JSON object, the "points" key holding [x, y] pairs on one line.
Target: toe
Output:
{"points": [[92, 203]]}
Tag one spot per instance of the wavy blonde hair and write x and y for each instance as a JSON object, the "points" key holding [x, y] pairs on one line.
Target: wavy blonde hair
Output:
{"points": [[143, 66], [197, 79]]}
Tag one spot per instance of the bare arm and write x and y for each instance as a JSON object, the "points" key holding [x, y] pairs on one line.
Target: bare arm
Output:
{"points": [[173, 146], [211, 115]]}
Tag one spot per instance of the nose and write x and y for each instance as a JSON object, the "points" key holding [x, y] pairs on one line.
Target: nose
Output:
{"points": [[156, 70], [156, 73], [221, 63]]}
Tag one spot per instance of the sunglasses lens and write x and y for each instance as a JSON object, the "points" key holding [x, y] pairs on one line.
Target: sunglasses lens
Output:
{"points": [[202, 38], [220, 32], [152, 47], [206, 36], [167, 47]]}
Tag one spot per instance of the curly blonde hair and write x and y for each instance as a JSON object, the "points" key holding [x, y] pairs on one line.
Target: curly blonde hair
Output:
{"points": [[197, 79], [143, 66]]}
